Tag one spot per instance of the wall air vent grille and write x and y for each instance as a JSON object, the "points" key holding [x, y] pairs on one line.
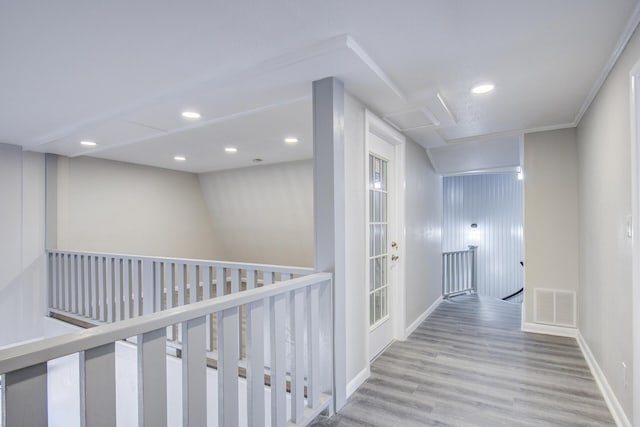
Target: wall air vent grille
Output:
{"points": [[555, 307]]}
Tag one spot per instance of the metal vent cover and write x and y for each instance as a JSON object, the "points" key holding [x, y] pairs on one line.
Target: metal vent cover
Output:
{"points": [[555, 307]]}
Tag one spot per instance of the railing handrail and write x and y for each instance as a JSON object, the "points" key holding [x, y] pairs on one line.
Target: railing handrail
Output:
{"points": [[33, 353], [470, 248], [194, 261]]}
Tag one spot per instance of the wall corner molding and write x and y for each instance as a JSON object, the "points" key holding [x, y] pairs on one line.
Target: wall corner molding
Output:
{"points": [[607, 392], [412, 327]]}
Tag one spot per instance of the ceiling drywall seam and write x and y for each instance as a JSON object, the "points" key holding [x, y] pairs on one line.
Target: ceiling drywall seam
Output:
{"points": [[274, 64], [625, 36]]}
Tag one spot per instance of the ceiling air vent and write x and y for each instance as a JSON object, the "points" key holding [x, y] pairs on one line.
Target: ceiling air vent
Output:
{"points": [[412, 119]]}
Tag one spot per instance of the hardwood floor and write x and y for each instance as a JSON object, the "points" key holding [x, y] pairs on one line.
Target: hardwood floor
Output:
{"points": [[469, 364]]}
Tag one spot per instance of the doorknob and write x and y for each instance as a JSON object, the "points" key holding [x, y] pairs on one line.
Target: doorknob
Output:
{"points": [[394, 257], [394, 245]]}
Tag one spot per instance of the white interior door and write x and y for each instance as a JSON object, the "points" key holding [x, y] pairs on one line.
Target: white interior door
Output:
{"points": [[381, 232]]}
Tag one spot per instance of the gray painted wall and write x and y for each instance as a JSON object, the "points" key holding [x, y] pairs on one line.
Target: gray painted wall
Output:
{"points": [[262, 214], [108, 206], [22, 260], [550, 213], [494, 203], [605, 299], [423, 227]]}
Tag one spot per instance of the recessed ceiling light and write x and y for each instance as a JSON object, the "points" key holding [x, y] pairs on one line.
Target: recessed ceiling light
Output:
{"points": [[291, 140], [179, 158], [191, 115], [88, 143], [483, 88], [231, 149]]}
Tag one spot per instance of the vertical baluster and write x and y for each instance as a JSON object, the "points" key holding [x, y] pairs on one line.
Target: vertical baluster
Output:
{"points": [[221, 281], [95, 287], [235, 288], [109, 263], [25, 396], [67, 282], [126, 287], [117, 287], [278, 362], [442, 272], [152, 379], [73, 284], [228, 367], [313, 343], [451, 273], [61, 281], [168, 280], [206, 295], [86, 264], [98, 386], [267, 279], [148, 286], [182, 285], [194, 374], [158, 288], [135, 284], [54, 280], [81, 285], [255, 358], [297, 310], [102, 287], [194, 283]]}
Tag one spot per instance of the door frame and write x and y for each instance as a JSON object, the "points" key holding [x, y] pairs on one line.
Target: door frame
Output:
{"points": [[381, 129], [635, 230]]}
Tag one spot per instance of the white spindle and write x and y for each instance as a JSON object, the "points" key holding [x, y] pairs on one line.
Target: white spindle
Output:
{"points": [[193, 283], [66, 284], [158, 288], [255, 359], [108, 303], [278, 356], [228, 356], [152, 379], [54, 280], [86, 271], [194, 374], [95, 311], [135, 284], [25, 396], [169, 284], [182, 284], [126, 288], [148, 286], [297, 309], [117, 284], [98, 386], [313, 342], [221, 281], [73, 283], [102, 287], [206, 295]]}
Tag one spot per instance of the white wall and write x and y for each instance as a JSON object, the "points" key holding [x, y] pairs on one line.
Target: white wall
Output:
{"points": [[108, 206], [605, 300], [22, 260], [355, 186], [263, 214], [494, 203], [423, 228], [550, 213]]}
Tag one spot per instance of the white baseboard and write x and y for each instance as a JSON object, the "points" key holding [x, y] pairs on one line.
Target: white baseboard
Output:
{"points": [[607, 392], [359, 379], [421, 318], [561, 331]]}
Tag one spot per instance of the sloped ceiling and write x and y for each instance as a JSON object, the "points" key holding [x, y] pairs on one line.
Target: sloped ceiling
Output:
{"points": [[119, 73]]}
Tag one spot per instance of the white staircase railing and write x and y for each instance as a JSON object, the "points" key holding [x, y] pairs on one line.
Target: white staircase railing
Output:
{"points": [[459, 272], [98, 288], [301, 306]]}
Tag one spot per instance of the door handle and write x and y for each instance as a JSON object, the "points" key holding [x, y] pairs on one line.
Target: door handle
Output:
{"points": [[394, 257]]}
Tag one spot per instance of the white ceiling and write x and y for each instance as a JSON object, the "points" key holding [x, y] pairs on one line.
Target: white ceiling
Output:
{"points": [[120, 72]]}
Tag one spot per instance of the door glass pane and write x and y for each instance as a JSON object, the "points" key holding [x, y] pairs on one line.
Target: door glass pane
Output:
{"points": [[372, 313], [384, 309], [372, 274], [378, 304], [378, 273]]}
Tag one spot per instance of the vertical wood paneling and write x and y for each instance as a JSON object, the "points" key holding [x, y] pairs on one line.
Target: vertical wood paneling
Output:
{"points": [[494, 202]]}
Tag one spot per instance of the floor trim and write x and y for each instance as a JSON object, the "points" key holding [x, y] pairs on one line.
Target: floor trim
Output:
{"points": [[422, 318], [358, 380], [560, 331], [607, 392]]}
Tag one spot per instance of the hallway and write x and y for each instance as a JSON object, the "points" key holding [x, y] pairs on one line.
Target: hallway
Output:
{"points": [[469, 364]]}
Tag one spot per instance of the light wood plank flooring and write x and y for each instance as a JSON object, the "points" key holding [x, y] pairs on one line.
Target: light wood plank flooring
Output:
{"points": [[469, 364]]}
